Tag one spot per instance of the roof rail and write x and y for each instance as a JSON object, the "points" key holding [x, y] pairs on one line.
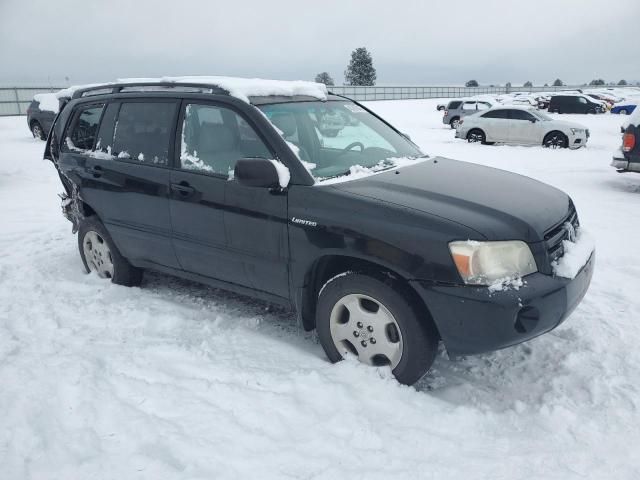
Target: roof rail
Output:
{"points": [[119, 87]]}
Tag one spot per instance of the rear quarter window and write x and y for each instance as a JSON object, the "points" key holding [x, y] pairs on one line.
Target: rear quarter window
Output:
{"points": [[453, 105], [81, 134]]}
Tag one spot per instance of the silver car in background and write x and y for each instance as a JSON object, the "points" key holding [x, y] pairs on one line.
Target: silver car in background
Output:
{"points": [[457, 109], [522, 126]]}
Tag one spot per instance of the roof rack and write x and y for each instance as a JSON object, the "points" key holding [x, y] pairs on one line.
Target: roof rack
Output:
{"points": [[111, 88]]}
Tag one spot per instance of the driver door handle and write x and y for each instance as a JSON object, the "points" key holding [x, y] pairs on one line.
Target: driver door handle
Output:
{"points": [[183, 189]]}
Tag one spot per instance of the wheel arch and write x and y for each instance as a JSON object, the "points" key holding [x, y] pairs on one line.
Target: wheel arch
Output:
{"points": [[555, 130], [329, 265], [479, 129]]}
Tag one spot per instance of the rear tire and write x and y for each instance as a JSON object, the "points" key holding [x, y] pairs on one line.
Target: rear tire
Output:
{"points": [[476, 135], [99, 254], [454, 122], [372, 319], [555, 139], [37, 131]]}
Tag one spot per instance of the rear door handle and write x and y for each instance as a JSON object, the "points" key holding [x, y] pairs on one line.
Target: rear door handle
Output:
{"points": [[95, 171], [183, 188]]}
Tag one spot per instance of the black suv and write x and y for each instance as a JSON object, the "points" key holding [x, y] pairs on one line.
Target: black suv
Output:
{"points": [[574, 104], [248, 195]]}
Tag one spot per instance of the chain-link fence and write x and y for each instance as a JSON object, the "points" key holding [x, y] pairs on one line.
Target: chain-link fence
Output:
{"points": [[16, 100], [417, 92]]}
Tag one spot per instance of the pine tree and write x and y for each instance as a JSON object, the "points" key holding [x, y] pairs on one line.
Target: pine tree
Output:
{"points": [[558, 83], [528, 84], [471, 83], [622, 82], [596, 82], [360, 70], [324, 77]]}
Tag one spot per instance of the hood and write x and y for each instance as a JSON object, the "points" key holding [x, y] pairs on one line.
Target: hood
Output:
{"points": [[564, 123], [497, 204]]}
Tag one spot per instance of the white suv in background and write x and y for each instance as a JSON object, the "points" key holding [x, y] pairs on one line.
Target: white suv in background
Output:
{"points": [[523, 126]]}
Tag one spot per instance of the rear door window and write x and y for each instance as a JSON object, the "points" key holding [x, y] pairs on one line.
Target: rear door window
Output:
{"points": [[470, 106], [496, 114], [520, 115], [81, 135], [143, 132]]}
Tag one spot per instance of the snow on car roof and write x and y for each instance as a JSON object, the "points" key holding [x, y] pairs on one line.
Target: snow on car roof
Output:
{"points": [[241, 88], [47, 102]]}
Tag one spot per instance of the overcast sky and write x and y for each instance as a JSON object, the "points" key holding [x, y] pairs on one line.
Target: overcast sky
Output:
{"points": [[412, 42]]}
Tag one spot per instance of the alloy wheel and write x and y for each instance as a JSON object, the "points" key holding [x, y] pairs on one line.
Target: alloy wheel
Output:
{"points": [[97, 254], [362, 326], [555, 141], [475, 137]]}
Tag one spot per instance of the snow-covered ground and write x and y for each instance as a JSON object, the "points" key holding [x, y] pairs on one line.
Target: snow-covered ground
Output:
{"points": [[175, 380]]}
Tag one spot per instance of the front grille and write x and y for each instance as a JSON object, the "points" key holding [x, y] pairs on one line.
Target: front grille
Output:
{"points": [[553, 237]]}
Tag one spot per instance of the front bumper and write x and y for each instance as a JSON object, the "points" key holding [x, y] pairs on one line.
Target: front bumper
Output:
{"points": [[578, 140], [474, 320]]}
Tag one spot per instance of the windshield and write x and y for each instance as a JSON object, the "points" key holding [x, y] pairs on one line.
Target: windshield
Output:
{"points": [[334, 138], [541, 116]]}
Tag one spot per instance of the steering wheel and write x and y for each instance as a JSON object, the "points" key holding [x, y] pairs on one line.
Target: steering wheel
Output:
{"points": [[351, 146]]}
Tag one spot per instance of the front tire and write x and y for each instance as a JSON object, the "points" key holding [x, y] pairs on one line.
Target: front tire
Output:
{"points": [[373, 320], [100, 255], [555, 140]]}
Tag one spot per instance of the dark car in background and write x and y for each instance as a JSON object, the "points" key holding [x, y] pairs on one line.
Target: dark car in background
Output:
{"points": [[183, 177], [627, 159], [574, 104], [41, 113]]}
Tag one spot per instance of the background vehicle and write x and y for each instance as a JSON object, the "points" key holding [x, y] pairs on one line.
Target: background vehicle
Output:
{"points": [[155, 193], [600, 98], [41, 113], [526, 126], [543, 101], [627, 159], [625, 107], [457, 109], [574, 104]]}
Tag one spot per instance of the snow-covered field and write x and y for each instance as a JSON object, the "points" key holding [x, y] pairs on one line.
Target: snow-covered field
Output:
{"points": [[175, 380]]}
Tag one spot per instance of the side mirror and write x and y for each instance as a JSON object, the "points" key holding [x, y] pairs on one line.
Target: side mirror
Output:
{"points": [[533, 120], [256, 172]]}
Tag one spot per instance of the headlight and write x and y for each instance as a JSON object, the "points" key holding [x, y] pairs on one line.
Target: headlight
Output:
{"points": [[577, 130], [484, 263]]}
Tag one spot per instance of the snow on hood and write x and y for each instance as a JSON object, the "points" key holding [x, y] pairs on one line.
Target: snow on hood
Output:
{"points": [[48, 102], [241, 88], [564, 123], [358, 171]]}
